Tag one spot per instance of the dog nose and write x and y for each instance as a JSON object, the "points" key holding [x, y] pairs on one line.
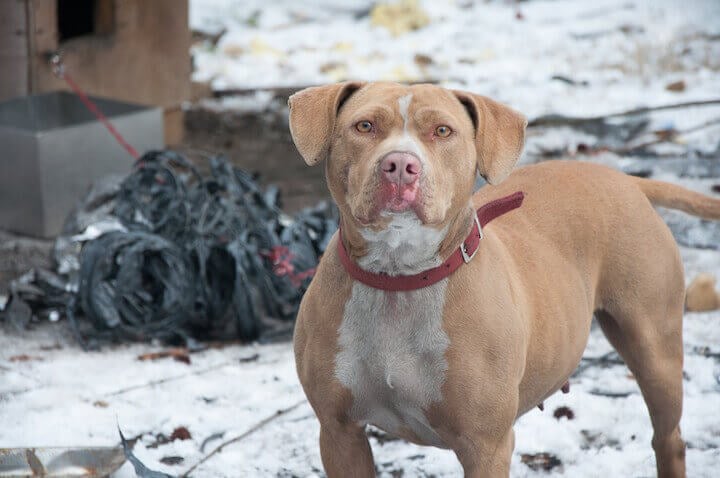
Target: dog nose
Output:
{"points": [[402, 168]]}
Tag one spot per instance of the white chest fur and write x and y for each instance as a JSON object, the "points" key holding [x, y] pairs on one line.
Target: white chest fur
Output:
{"points": [[392, 345]]}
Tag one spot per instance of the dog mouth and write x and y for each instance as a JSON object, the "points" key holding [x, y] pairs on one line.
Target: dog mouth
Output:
{"points": [[375, 210], [397, 198]]}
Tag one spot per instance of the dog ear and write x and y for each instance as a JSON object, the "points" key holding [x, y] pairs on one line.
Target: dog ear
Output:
{"points": [[312, 117], [499, 135]]}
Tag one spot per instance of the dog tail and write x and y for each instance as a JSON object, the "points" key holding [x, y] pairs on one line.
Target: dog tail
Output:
{"points": [[677, 197]]}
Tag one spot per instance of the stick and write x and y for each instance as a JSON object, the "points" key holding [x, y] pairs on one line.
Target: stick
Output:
{"points": [[610, 358], [560, 120], [250, 431], [286, 91], [671, 135], [170, 379], [21, 373], [602, 393]]}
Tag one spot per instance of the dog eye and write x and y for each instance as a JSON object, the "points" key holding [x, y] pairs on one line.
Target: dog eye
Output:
{"points": [[364, 126], [443, 131]]}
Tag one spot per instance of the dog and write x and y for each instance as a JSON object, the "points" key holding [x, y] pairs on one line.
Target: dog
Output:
{"points": [[441, 316]]}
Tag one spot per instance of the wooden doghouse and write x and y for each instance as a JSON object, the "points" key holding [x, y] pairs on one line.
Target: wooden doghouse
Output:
{"points": [[130, 50]]}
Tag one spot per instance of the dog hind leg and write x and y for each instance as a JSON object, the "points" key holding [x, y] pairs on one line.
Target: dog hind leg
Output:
{"points": [[655, 357]]}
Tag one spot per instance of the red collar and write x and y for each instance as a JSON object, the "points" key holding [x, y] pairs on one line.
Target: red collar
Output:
{"points": [[462, 255]]}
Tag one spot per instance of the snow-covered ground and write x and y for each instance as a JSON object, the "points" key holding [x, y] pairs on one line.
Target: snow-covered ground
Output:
{"points": [[64, 397], [623, 52], [626, 51]]}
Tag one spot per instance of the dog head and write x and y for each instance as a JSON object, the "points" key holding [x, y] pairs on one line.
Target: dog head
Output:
{"points": [[393, 149]]}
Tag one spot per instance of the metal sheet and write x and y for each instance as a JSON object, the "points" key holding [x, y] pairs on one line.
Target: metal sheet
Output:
{"points": [[52, 149], [57, 462]]}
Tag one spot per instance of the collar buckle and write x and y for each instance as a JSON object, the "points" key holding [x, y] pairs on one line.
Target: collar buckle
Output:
{"points": [[463, 248]]}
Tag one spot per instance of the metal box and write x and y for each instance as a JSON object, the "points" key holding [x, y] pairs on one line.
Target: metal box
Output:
{"points": [[52, 149]]}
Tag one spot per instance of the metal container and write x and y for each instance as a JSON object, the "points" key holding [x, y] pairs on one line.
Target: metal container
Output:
{"points": [[52, 148]]}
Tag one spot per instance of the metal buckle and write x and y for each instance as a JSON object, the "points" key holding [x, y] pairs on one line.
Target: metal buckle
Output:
{"points": [[55, 59], [468, 257]]}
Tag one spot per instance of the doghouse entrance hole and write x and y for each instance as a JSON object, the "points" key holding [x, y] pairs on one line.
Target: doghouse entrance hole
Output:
{"points": [[78, 18]]}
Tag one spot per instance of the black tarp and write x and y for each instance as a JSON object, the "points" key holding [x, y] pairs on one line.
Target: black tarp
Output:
{"points": [[167, 253]]}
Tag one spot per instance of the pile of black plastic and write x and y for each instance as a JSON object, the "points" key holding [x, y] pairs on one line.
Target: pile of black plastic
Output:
{"points": [[170, 254]]}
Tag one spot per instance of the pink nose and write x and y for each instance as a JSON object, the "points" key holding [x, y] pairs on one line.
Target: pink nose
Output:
{"points": [[401, 168]]}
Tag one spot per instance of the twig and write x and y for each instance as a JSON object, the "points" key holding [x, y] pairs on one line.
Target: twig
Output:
{"points": [[21, 373], [250, 431], [610, 358], [705, 351], [602, 393], [170, 379], [560, 120], [285, 91], [671, 135], [211, 368], [214, 436], [4, 395]]}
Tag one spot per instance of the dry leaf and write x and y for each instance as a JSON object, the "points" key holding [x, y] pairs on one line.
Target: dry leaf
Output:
{"points": [[676, 86], [172, 460], [179, 354], [25, 358], [423, 60], [700, 295], [250, 358], [399, 17], [540, 461], [180, 433], [564, 412]]}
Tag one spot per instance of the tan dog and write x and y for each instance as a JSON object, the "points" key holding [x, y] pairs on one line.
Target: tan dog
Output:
{"points": [[455, 364]]}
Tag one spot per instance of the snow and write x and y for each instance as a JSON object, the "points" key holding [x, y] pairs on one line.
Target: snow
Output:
{"points": [[627, 52], [69, 397]]}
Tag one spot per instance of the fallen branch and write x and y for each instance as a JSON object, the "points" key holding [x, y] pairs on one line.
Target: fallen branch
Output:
{"points": [[561, 120], [214, 436], [706, 352], [236, 439], [603, 393], [21, 373], [5, 395], [286, 91], [665, 136], [608, 359], [161, 381]]}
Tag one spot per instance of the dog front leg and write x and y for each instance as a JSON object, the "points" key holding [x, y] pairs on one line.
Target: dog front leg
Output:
{"points": [[345, 451], [487, 457]]}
